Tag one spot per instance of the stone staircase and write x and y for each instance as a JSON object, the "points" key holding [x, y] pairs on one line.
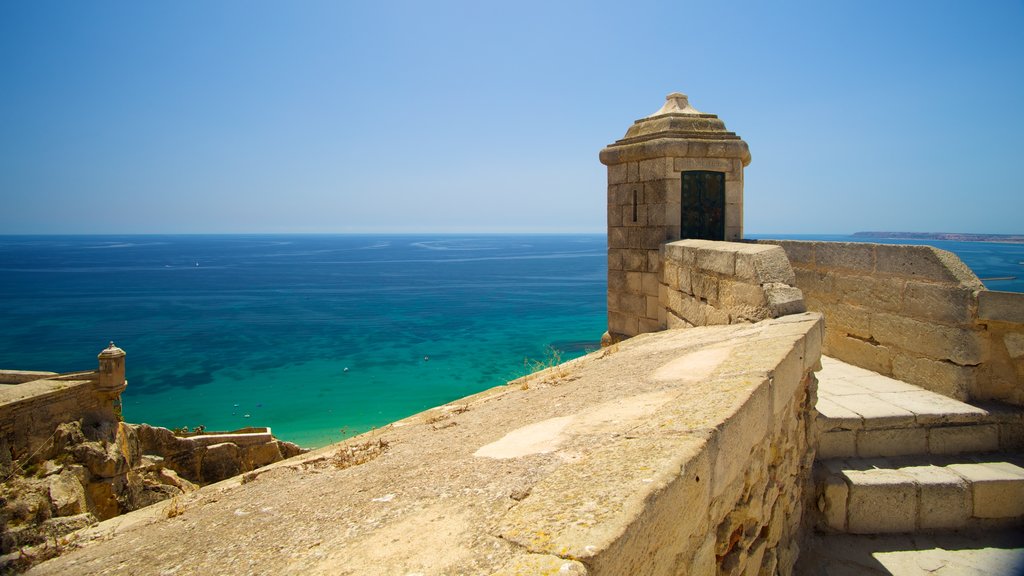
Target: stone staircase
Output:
{"points": [[895, 458]]}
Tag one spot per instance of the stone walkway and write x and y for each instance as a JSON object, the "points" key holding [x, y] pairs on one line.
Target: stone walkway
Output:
{"points": [[988, 553], [912, 482]]}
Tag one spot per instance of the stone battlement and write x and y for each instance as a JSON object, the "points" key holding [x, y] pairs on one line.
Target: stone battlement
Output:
{"points": [[684, 450], [915, 313]]}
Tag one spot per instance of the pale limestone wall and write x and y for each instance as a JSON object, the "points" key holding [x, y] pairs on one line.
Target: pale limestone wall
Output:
{"points": [[1002, 316], [705, 283], [677, 452], [915, 313], [30, 412]]}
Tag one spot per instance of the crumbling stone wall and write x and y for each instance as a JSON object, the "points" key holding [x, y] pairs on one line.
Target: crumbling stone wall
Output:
{"points": [[706, 283], [915, 313]]}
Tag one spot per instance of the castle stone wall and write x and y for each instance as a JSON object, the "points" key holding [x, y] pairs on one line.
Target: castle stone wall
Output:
{"points": [[705, 283], [915, 313], [677, 452], [30, 412]]}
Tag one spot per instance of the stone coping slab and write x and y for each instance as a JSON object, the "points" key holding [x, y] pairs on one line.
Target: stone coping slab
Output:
{"points": [[555, 473], [853, 398], [31, 389]]}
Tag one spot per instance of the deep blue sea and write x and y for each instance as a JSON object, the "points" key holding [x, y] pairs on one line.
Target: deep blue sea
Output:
{"points": [[318, 337]]}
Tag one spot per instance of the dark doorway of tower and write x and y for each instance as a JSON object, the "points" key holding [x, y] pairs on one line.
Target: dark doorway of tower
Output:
{"points": [[703, 205]]}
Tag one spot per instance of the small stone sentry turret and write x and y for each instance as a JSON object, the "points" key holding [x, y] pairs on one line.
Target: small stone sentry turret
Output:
{"points": [[111, 381], [677, 174]]}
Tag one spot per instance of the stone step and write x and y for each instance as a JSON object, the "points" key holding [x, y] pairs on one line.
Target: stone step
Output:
{"points": [[864, 414], [920, 493], [948, 553]]}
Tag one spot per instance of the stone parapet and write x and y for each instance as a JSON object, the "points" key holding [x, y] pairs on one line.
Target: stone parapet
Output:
{"points": [[22, 376], [683, 451], [30, 412], [706, 283], [915, 313]]}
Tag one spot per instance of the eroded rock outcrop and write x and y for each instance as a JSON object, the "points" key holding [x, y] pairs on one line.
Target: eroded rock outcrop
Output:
{"points": [[88, 473]]}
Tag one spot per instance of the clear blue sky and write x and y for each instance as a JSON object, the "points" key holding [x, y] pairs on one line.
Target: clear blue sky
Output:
{"points": [[232, 116]]}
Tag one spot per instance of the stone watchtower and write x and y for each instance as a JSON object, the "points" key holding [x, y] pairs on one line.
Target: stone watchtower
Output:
{"points": [[111, 381], [677, 174]]}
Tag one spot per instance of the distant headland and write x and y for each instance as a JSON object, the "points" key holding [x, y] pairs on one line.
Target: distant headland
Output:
{"points": [[956, 237]]}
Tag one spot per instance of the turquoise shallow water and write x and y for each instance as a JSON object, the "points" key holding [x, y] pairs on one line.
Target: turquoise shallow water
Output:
{"points": [[230, 331]]}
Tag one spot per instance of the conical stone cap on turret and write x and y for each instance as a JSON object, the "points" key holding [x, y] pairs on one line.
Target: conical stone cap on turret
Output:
{"points": [[666, 132]]}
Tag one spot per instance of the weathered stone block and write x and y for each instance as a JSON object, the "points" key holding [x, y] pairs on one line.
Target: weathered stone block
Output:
{"points": [[881, 501], [691, 310], [734, 192], [705, 286], [634, 304], [616, 281], [833, 501], [732, 294], [711, 164], [634, 282], [622, 323], [945, 499], [632, 171], [615, 259], [618, 237], [892, 442], [845, 256], [670, 275], [772, 266], [816, 284], [924, 262], [685, 280], [1001, 306], [662, 192], [614, 215], [786, 379], [617, 174], [784, 300], [874, 357], [964, 439], [733, 216], [800, 254], [654, 261], [715, 317], [621, 195], [875, 293], [945, 378], [717, 260], [650, 283], [998, 491], [653, 306], [939, 302], [647, 325], [837, 444], [634, 260], [927, 339], [740, 431], [656, 168], [673, 216], [674, 322]]}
